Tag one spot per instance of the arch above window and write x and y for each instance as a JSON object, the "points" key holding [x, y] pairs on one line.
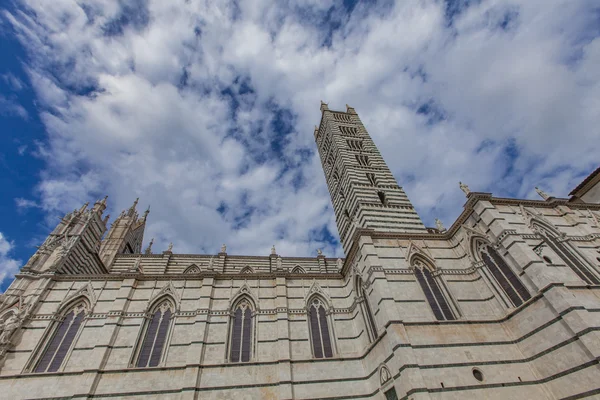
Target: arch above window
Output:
{"points": [[192, 269], [62, 338], [298, 270], [247, 270]]}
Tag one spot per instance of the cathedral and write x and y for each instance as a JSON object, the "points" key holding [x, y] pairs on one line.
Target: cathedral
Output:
{"points": [[503, 304]]}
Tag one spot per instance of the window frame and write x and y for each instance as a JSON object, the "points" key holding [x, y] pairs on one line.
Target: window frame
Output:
{"points": [[426, 271], [327, 317], [250, 307], [162, 301]]}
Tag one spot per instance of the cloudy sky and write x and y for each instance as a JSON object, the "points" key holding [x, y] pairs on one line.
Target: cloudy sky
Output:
{"points": [[205, 110]]}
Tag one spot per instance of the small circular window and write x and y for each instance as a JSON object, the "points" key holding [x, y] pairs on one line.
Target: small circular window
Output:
{"points": [[477, 374], [547, 259]]}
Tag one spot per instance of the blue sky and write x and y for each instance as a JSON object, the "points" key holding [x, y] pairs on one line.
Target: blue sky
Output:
{"points": [[206, 110]]}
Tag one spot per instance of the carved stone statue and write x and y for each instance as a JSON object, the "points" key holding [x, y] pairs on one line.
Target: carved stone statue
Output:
{"points": [[273, 251], [170, 248], [339, 263], [464, 188], [211, 263], [224, 248], [8, 328], [542, 194], [279, 263], [439, 225], [319, 252]]}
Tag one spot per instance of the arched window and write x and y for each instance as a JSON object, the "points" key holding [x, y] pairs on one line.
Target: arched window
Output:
{"points": [[439, 305], [192, 269], [505, 277], [155, 337], [563, 251], [366, 310], [319, 329], [62, 339], [241, 332]]}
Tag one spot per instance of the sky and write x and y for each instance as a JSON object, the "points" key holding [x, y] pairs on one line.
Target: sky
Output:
{"points": [[206, 110]]}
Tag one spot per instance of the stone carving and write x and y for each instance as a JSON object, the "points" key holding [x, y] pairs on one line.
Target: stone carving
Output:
{"points": [[211, 263], [273, 251], [384, 375], [464, 188], [223, 248], [439, 225], [67, 244], [279, 263], [339, 264], [170, 248], [542, 194], [136, 266], [8, 327], [319, 252]]}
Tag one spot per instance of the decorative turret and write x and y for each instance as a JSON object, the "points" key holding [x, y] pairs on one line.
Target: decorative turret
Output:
{"points": [[125, 235]]}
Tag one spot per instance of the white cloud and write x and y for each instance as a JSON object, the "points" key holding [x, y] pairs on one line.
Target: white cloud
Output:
{"points": [[10, 107], [184, 107], [8, 266]]}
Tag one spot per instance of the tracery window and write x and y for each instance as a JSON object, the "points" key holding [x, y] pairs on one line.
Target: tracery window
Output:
{"points": [[241, 332], [155, 337], [506, 278], [319, 329], [362, 160], [298, 270], [439, 305], [572, 261], [62, 339], [371, 178], [366, 309]]}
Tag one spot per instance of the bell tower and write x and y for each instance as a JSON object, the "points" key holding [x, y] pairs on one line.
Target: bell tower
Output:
{"points": [[364, 193]]}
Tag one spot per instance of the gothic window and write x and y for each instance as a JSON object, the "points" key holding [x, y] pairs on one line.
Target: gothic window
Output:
{"points": [[155, 337], [362, 160], [62, 339], [382, 198], [439, 305], [372, 179], [391, 394], [336, 176], [506, 278], [576, 265], [241, 332], [342, 117], [319, 329], [366, 309], [298, 270]]}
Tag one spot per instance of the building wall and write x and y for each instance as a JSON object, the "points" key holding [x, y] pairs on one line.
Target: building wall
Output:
{"points": [[546, 348]]}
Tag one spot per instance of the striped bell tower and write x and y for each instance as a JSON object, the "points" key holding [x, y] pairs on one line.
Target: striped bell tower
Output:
{"points": [[364, 193]]}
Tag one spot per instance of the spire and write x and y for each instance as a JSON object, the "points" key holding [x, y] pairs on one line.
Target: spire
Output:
{"points": [[324, 106], [82, 209], [131, 211], [149, 248], [100, 205], [146, 213], [350, 110]]}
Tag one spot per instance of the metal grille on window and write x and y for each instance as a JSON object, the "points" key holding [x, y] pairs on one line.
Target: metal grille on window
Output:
{"points": [[433, 294], [241, 333], [155, 337], [319, 329], [61, 342], [571, 260], [505, 277]]}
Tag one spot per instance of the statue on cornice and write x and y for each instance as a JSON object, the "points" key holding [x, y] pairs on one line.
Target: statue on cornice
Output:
{"points": [[149, 248], [224, 248], [464, 188], [439, 225]]}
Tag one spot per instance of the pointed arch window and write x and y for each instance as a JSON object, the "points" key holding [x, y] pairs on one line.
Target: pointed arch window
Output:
{"points": [[569, 258], [157, 329], [319, 329], [433, 293], [62, 339], [506, 278], [366, 309], [241, 332], [298, 270]]}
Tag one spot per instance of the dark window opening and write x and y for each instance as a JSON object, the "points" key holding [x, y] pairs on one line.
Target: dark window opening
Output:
{"points": [[372, 179], [241, 333], [156, 334], [547, 259], [382, 198], [319, 330], [391, 394], [506, 278], [477, 374]]}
